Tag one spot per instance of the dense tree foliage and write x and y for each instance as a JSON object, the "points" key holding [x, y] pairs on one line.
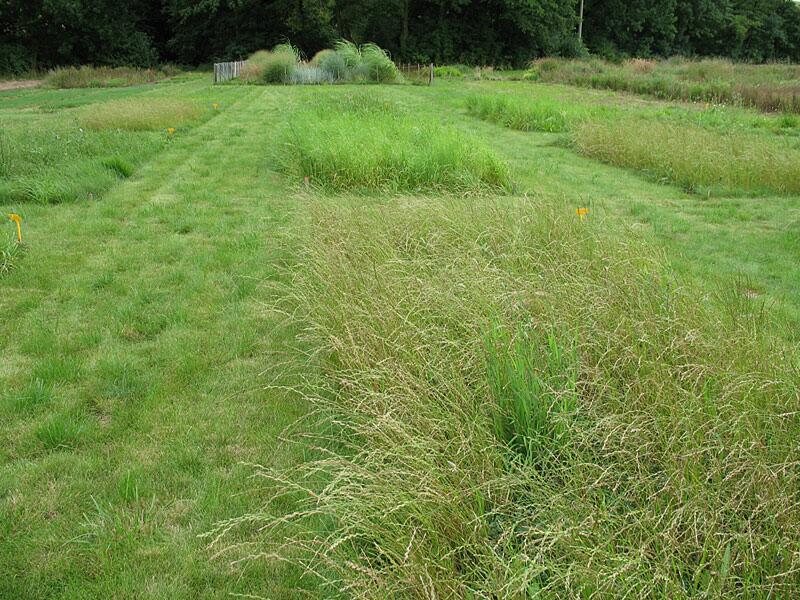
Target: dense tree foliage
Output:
{"points": [[752, 30], [45, 33]]}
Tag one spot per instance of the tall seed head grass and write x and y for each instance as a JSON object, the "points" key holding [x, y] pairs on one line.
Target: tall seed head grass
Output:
{"points": [[350, 54], [699, 160], [525, 406]]}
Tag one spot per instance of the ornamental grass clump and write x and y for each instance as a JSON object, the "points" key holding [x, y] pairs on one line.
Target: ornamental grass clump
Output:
{"points": [[279, 65], [345, 63]]}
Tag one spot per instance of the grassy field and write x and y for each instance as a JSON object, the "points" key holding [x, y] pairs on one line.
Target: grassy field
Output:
{"points": [[495, 397]]}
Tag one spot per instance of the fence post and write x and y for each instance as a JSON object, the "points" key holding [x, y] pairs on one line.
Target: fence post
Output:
{"points": [[430, 81]]}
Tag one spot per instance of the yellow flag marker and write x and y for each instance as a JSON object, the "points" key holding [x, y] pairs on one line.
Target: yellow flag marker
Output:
{"points": [[18, 220], [582, 212], [215, 105], [170, 130]]}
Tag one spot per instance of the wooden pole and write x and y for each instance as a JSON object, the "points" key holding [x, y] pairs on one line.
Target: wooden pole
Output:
{"points": [[580, 23], [430, 81]]}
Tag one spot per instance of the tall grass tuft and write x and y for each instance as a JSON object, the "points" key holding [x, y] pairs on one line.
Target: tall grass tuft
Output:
{"points": [[332, 63], [10, 253], [523, 405], [699, 160], [376, 64], [361, 143]]}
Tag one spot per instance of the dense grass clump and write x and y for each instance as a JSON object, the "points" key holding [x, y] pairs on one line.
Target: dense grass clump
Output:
{"points": [[376, 65], [10, 253], [697, 159], [95, 77], [141, 114], [517, 112], [526, 405], [277, 66], [363, 143], [272, 67]]}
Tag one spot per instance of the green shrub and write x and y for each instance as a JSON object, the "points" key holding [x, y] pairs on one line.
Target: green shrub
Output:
{"points": [[448, 72]]}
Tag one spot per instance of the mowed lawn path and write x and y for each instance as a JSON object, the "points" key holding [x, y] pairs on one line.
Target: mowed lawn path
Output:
{"points": [[134, 338]]}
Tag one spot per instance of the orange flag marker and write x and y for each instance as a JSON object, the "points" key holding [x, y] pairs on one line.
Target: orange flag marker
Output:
{"points": [[18, 220]]}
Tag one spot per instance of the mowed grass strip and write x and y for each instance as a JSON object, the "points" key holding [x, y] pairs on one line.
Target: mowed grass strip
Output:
{"points": [[133, 343], [699, 160], [361, 143], [528, 404]]}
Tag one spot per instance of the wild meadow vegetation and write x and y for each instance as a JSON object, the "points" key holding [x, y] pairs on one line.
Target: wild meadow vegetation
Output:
{"points": [[102, 77], [354, 341], [701, 150], [765, 87]]}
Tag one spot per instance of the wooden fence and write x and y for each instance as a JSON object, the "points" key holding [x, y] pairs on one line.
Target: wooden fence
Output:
{"points": [[227, 70], [417, 72]]}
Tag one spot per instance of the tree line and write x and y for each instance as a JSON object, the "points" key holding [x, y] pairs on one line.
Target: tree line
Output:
{"points": [[46, 33]]}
